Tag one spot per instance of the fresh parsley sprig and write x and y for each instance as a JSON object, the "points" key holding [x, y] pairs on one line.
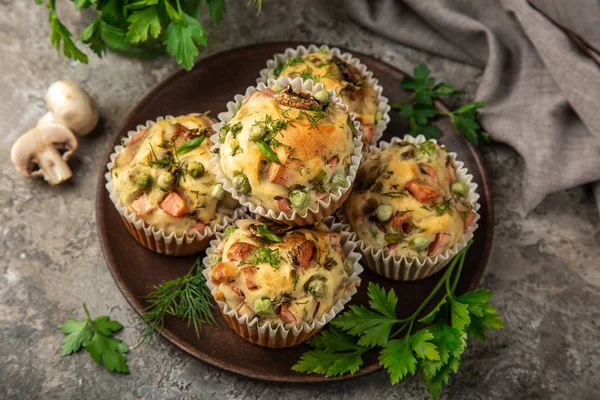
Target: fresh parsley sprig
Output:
{"points": [[122, 25], [95, 336], [418, 107], [433, 350], [186, 297]]}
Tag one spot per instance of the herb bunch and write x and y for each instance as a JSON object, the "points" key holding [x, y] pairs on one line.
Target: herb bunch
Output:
{"points": [[420, 110], [122, 24], [434, 350], [95, 336], [186, 297]]}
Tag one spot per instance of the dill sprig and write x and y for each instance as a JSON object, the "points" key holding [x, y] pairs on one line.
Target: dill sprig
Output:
{"points": [[186, 297]]}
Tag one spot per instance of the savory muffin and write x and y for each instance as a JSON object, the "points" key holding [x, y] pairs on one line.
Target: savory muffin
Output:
{"points": [[408, 202], [336, 74], [286, 149], [280, 274], [163, 176]]}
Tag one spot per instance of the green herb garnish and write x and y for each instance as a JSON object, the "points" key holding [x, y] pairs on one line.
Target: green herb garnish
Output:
{"points": [[264, 231], [419, 107], [288, 63], [266, 150], [190, 145], [443, 207], [95, 336], [396, 194], [434, 351], [319, 181], [263, 255], [186, 297]]}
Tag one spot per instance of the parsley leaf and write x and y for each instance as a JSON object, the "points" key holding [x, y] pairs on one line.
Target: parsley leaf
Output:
{"points": [[181, 40], [143, 22], [109, 352], [398, 359], [59, 34], [78, 334]]}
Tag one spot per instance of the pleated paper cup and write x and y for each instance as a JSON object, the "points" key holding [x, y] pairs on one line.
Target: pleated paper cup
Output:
{"points": [[403, 268], [382, 101], [312, 214], [158, 240], [292, 334]]}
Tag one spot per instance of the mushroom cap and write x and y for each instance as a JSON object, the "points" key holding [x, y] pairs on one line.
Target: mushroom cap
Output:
{"points": [[26, 150], [72, 107]]}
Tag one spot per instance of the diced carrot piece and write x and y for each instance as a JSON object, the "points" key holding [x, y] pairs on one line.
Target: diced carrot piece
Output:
{"points": [[137, 136], [469, 217], [174, 205], [423, 193], [306, 253], [283, 204], [269, 92], [240, 251], [439, 243], [286, 314], [224, 272], [142, 206], [399, 219]]}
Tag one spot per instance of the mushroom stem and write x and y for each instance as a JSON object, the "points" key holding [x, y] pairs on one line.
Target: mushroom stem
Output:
{"points": [[55, 170]]}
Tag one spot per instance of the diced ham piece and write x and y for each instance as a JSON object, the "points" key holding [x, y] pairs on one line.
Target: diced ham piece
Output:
{"points": [[142, 206], [286, 314], [279, 174], [439, 243], [269, 92], [367, 133], [224, 272], [283, 204], [332, 162], [399, 219], [239, 251], [322, 195], [429, 170], [179, 129], [306, 253], [137, 136], [390, 247], [248, 271], [423, 193], [199, 227], [334, 238], [451, 172], [174, 205], [469, 217], [406, 228], [237, 291]]}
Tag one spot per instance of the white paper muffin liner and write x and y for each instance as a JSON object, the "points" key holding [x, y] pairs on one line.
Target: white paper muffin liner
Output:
{"points": [[293, 334], [402, 268], [309, 215], [382, 101], [148, 235]]}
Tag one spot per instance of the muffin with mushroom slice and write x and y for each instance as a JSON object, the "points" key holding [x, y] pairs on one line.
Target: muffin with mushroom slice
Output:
{"points": [[337, 72], [289, 154], [411, 209], [276, 279], [161, 183]]}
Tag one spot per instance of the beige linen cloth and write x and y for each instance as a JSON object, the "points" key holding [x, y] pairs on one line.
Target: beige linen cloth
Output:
{"points": [[541, 77]]}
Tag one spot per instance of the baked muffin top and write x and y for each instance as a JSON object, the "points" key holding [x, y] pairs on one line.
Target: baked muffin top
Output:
{"points": [[344, 78], [408, 201], [163, 176], [280, 274], [287, 150]]}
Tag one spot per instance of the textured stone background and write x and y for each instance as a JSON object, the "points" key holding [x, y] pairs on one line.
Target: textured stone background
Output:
{"points": [[544, 267]]}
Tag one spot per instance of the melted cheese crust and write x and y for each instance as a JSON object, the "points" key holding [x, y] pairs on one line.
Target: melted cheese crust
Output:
{"points": [[361, 100], [381, 180], [305, 149], [285, 286], [136, 159]]}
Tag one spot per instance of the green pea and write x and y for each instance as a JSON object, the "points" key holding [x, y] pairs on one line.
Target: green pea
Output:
{"points": [[378, 117], [338, 180], [277, 87], [213, 259], [263, 306], [217, 191], [166, 181], [420, 243], [257, 132], [241, 184], [230, 229], [384, 212], [298, 198], [144, 181], [195, 169], [459, 188], [317, 287], [322, 96]]}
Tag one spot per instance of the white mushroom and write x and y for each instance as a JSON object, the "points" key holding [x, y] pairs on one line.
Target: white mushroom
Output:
{"points": [[70, 106], [40, 147]]}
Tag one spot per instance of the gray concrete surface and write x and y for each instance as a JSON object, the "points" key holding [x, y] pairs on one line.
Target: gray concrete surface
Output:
{"points": [[544, 267]]}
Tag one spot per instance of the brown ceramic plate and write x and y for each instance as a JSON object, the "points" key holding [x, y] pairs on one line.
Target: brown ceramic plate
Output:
{"points": [[209, 86]]}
